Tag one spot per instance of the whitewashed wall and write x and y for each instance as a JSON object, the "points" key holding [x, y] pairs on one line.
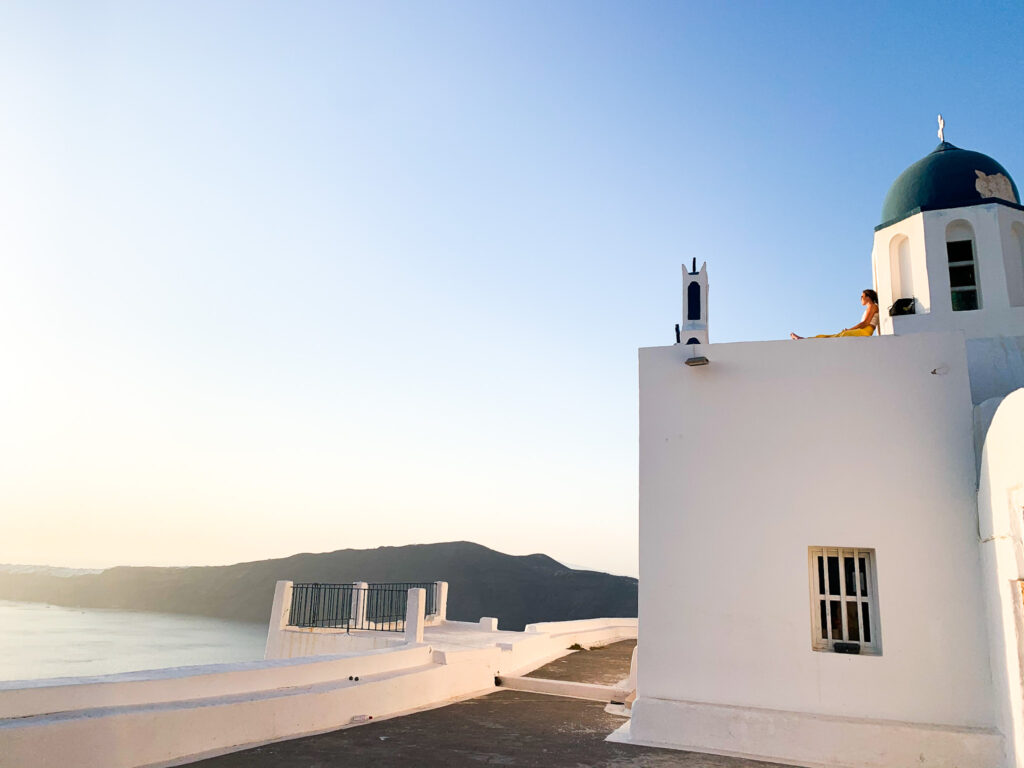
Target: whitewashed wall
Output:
{"points": [[128, 737], [885, 277], [779, 446], [161, 717], [26, 698], [1000, 507], [299, 642], [996, 365], [1000, 268]]}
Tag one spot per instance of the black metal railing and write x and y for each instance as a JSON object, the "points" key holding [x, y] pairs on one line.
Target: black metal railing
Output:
{"points": [[429, 586], [379, 607], [321, 605], [385, 607]]}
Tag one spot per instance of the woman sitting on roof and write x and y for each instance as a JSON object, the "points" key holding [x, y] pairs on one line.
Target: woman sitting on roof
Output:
{"points": [[865, 327]]}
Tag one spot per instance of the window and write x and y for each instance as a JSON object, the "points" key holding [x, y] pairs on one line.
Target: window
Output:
{"points": [[963, 270], [844, 602]]}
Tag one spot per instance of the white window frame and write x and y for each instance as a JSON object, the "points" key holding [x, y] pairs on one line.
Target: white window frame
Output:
{"points": [[869, 581]]}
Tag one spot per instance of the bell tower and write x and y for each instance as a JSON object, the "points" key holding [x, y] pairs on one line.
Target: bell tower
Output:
{"points": [[949, 253], [694, 328]]}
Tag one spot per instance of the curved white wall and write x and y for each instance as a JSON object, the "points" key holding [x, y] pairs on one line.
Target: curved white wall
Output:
{"points": [[1000, 508]]}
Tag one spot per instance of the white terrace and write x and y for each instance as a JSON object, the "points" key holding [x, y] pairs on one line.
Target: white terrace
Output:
{"points": [[313, 679]]}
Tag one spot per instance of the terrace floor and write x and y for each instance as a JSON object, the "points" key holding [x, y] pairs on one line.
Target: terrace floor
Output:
{"points": [[607, 665], [507, 728]]}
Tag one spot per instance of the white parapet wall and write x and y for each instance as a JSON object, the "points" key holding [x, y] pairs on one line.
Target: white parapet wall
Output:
{"points": [[521, 652], [301, 642], [28, 698], [157, 733], [164, 717], [288, 642], [587, 627]]}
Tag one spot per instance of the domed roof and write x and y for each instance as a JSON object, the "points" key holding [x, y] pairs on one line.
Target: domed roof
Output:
{"points": [[948, 177]]}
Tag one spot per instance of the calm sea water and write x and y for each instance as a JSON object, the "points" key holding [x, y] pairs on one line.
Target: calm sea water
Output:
{"points": [[40, 640]]}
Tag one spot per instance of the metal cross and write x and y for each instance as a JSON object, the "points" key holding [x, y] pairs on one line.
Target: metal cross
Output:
{"points": [[942, 129]]}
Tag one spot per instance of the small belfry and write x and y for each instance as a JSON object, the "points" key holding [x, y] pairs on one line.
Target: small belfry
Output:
{"points": [[694, 328]]}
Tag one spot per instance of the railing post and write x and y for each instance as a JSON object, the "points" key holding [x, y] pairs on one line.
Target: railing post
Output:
{"points": [[414, 616], [441, 600], [279, 616], [359, 589]]}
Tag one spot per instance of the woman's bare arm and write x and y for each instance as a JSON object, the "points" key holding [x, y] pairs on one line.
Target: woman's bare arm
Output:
{"points": [[866, 320], [863, 321]]}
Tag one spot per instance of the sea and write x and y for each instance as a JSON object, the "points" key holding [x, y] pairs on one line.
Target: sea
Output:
{"points": [[38, 640]]}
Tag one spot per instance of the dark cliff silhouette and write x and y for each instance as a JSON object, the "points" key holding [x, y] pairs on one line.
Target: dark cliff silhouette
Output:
{"points": [[482, 582]]}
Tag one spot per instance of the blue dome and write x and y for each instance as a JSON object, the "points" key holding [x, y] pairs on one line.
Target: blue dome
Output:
{"points": [[949, 177]]}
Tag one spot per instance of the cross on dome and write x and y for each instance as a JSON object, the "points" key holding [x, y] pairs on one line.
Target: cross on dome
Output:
{"points": [[942, 129]]}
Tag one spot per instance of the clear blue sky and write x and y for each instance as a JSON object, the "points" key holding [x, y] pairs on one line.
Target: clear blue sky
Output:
{"points": [[293, 276]]}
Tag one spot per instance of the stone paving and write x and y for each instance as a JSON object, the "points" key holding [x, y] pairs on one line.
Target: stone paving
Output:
{"points": [[607, 665], [505, 728]]}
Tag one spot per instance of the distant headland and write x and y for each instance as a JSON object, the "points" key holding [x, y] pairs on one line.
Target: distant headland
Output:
{"points": [[484, 582]]}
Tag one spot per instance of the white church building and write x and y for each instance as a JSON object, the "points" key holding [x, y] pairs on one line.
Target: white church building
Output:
{"points": [[831, 557]]}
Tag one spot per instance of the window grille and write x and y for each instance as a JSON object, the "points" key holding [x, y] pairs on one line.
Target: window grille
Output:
{"points": [[844, 600], [963, 275]]}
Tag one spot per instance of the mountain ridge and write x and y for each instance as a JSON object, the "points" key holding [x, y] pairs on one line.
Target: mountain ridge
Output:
{"points": [[518, 589]]}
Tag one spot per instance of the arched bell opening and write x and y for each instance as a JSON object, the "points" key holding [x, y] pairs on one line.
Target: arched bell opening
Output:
{"points": [[961, 253], [693, 301], [901, 268]]}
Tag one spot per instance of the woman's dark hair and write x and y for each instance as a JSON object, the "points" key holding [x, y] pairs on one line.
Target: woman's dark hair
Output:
{"points": [[871, 295]]}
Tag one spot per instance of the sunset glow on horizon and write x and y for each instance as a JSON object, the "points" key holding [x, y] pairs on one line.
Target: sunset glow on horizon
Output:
{"points": [[282, 278]]}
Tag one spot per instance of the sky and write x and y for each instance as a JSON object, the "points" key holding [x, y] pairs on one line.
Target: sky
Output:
{"points": [[296, 277]]}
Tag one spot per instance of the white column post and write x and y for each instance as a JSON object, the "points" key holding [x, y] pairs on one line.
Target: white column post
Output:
{"points": [[359, 590], [414, 618], [441, 605], [631, 681], [279, 615]]}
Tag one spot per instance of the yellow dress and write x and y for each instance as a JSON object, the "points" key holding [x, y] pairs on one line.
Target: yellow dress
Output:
{"points": [[856, 332]]}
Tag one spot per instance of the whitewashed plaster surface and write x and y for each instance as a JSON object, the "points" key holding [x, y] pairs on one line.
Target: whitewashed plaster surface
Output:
{"points": [[168, 716], [998, 232], [779, 446], [996, 366], [1000, 509], [697, 327]]}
